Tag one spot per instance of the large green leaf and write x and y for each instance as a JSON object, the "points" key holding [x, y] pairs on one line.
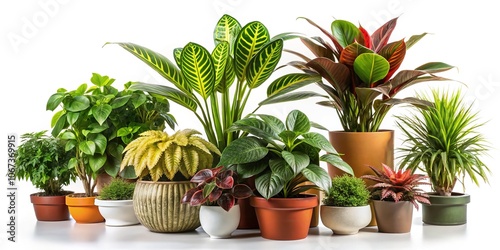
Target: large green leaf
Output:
{"points": [[198, 69], [344, 31], [269, 184], [101, 142], [296, 160], [220, 58], [96, 162], [288, 97], [298, 122], [255, 127], [54, 101], [227, 30], [273, 122], [280, 167], [319, 141], [337, 162], [250, 40], [168, 92], [101, 112], [243, 150], [159, 63], [370, 67], [318, 176], [290, 82], [247, 170], [351, 52], [120, 101], [262, 65], [87, 147], [77, 103]]}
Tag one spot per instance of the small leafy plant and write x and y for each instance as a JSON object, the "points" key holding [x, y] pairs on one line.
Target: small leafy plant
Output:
{"points": [[156, 154], [117, 189], [347, 191], [391, 185], [216, 186], [281, 156], [42, 159]]}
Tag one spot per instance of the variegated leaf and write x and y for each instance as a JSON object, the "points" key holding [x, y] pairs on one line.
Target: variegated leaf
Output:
{"points": [[227, 30], [250, 40], [220, 57], [263, 63], [198, 69]]}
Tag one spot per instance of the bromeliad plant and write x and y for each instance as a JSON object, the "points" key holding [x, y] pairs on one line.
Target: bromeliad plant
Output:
{"points": [[216, 187], [391, 185], [98, 121], [215, 85], [444, 141], [358, 72], [282, 156]]}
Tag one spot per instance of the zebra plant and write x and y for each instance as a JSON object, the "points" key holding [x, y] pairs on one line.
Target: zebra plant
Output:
{"points": [[215, 85]]}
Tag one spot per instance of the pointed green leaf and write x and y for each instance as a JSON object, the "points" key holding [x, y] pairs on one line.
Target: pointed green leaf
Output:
{"points": [[250, 40], [87, 147], [269, 184], [96, 162], [319, 141], [227, 30], [220, 59], [177, 56], [274, 123], [255, 127], [318, 176], [247, 170], [337, 161], [280, 167], [77, 103], [243, 150], [54, 101], [101, 142], [58, 123], [296, 160], [263, 64], [434, 67], [81, 90], [298, 122], [344, 31], [288, 97], [198, 69], [100, 80], [168, 92], [101, 112], [72, 117], [119, 101], [414, 39], [139, 99], [290, 82], [370, 67], [68, 135]]}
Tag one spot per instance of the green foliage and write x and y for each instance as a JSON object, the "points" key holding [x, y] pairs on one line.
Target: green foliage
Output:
{"points": [[281, 155], [156, 154], [117, 189], [445, 142], [42, 159], [216, 84], [358, 72], [347, 191], [98, 121]]}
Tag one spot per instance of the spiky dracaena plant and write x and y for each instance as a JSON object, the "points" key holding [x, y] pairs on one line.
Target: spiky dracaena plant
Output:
{"points": [[391, 185], [156, 153], [445, 142]]}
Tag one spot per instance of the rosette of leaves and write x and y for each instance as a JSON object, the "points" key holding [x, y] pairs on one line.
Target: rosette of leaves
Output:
{"points": [[282, 156], [156, 154], [97, 121], [215, 84], [358, 71], [216, 187]]}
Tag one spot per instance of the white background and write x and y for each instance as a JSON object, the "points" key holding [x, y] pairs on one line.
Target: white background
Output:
{"points": [[48, 44]]}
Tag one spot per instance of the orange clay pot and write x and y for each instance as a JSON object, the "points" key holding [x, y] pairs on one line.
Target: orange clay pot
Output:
{"points": [[50, 208], [82, 209], [284, 218]]}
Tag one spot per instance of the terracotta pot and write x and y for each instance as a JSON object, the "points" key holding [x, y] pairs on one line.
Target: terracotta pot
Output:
{"points": [[446, 210], [50, 208], [117, 212], [284, 218], [82, 209], [345, 220], [363, 149], [393, 217], [158, 206], [219, 223], [248, 218]]}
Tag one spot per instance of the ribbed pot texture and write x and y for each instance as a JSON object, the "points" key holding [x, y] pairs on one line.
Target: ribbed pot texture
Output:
{"points": [[158, 207]]}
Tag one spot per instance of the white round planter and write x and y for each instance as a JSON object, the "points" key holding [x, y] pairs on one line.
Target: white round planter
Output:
{"points": [[345, 220], [219, 223], [117, 212]]}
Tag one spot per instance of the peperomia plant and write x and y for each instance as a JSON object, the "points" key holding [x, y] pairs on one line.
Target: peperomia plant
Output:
{"points": [[216, 186], [98, 121], [216, 84], [358, 72], [282, 156]]}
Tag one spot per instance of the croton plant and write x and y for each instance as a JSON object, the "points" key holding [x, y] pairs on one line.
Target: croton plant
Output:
{"points": [[216, 186]]}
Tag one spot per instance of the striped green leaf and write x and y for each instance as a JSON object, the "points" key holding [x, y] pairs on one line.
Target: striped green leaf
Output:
{"points": [[263, 63], [250, 40], [290, 82], [229, 76], [159, 63], [227, 30], [168, 92], [177, 56], [198, 69], [220, 59]]}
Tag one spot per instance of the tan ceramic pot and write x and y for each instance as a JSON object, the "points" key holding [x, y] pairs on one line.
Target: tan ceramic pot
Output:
{"points": [[393, 217], [363, 149], [158, 206]]}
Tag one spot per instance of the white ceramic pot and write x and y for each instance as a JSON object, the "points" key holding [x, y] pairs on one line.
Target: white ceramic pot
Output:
{"points": [[345, 220], [117, 212], [219, 223]]}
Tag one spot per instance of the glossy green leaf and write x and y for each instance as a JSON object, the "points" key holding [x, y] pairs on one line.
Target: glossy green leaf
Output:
{"points": [[119, 101], [255, 127], [168, 92], [269, 184], [227, 30], [198, 69], [318, 176], [281, 168], [54, 101], [337, 162], [263, 64], [87, 147], [58, 123], [371, 67], [77, 103], [298, 122], [250, 40], [273, 122], [351, 52], [288, 97], [138, 100], [247, 170], [101, 142], [177, 56], [243, 150], [96, 162], [72, 117], [344, 31], [220, 59], [296, 160], [68, 135], [101, 112], [319, 141], [290, 82], [414, 39]]}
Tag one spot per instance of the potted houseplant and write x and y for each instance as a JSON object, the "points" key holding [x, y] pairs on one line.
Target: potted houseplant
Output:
{"points": [[164, 164], [359, 73], [217, 192], [345, 207], [445, 142], [394, 195], [282, 156], [215, 84], [115, 203], [98, 121], [41, 159]]}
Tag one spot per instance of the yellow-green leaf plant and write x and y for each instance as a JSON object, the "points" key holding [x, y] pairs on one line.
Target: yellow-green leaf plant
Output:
{"points": [[216, 85], [157, 155]]}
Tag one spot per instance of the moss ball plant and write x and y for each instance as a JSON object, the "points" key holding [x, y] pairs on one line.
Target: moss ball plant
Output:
{"points": [[347, 191], [118, 189]]}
